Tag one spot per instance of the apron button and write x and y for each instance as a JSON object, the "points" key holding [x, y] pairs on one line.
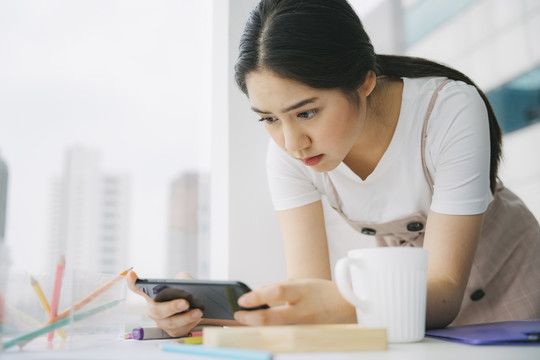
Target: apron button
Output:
{"points": [[415, 226], [477, 295], [368, 231]]}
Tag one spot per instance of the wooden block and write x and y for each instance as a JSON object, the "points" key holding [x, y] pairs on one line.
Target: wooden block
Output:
{"points": [[298, 338]]}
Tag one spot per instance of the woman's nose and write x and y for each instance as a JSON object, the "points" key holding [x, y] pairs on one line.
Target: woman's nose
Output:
{"points": [[295, 138]]}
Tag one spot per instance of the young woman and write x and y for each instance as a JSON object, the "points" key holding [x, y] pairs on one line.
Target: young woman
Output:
{"points": [[405, 149]]}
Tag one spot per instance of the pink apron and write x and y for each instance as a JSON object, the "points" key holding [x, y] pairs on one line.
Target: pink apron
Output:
{"points": [[504, 283]]}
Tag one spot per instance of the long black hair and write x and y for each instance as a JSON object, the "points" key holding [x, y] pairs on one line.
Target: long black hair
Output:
{"points": [[323, 44]]}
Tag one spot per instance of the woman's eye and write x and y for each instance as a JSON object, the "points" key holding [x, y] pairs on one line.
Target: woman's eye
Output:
{"points": [[308, 114], [268, 120]]}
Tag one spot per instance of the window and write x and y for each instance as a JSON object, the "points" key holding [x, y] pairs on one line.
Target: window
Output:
{"points": [[517, 103], [109, 97], [424, 16]]}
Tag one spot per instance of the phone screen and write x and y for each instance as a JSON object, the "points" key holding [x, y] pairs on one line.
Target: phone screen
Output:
{"points": [[216, 299]]}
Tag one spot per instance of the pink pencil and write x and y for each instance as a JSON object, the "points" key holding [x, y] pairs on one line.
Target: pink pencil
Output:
{"points": [[56, 291]]}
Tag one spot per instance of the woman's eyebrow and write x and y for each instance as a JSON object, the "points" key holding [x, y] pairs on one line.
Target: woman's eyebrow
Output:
{"points": [[287, 109]]}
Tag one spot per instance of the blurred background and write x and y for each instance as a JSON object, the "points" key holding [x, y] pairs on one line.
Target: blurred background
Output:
{"points": [[125, 142]]}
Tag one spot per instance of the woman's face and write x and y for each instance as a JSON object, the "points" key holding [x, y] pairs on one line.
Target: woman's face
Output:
{"points": [[316, 126]]}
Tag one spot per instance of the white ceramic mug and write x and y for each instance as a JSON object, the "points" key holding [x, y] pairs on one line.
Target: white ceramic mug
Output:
{"points": [[389, 286]]}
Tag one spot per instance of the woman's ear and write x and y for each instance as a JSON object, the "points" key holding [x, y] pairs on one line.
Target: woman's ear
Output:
{"points": [[369, 84]]}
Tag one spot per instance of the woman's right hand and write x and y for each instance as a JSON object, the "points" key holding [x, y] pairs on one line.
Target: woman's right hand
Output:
{"points": [[168, 315]]}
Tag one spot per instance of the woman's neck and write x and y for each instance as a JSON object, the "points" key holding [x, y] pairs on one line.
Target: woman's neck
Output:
{"points": [[383, 109]]}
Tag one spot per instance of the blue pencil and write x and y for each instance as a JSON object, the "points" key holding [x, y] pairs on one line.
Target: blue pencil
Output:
{"points": [[230, 353], [58, 324]]}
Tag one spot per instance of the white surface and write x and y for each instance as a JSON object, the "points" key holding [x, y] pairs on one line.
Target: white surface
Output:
{"points": [[426, 349]]}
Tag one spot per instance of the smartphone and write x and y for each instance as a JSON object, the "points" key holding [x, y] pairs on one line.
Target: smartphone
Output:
{"points": [[216, 299]]}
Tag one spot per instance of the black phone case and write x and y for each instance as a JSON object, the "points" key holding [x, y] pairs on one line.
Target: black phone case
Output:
{"points": [[217, 299]]}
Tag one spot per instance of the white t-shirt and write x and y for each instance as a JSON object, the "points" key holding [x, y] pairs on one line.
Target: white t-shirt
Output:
{"points": [[457, 156]]}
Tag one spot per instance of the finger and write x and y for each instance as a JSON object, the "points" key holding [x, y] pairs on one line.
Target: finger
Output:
{"points": [[281, 315], [180, 324], [283, 291], [162, 310], [183, 275], [131, 278]]}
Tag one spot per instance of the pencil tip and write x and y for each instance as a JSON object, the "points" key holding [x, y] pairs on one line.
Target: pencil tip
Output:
{"points": [[33, 280], [62, 260], [124, 273]]}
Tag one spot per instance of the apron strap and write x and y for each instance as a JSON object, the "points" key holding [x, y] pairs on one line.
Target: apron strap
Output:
{"points": [[424, 135]]}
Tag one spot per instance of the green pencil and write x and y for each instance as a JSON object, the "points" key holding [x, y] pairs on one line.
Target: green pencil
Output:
{"points": [[58, 324]]}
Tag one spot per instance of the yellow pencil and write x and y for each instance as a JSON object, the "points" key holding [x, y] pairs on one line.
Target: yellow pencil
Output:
{"points": [[44, 303]]}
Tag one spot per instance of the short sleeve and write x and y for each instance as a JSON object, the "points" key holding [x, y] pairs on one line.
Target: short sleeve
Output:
{"points": [[291, 185], [458, 144]]}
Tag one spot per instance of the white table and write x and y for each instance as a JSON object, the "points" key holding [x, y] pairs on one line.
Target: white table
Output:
{"points": [[424, 350]]}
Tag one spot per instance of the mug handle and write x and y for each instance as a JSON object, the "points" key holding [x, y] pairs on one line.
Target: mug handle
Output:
{"points": [[343, 280]]}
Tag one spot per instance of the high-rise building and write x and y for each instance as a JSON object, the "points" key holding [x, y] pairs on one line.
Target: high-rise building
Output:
{"points": [[89, 214], [188, 226], [3, 197], [113, 233]]}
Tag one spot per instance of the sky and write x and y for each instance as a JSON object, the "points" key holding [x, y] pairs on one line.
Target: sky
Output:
{"points": [[120, 77]]}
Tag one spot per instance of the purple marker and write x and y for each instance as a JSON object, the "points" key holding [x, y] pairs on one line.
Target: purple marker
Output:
{"points": [[150, 333]]}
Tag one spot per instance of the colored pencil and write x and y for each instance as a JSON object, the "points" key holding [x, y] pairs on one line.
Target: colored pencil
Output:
{"points": [[44, 303], [84, 301], [100, 290], [56, 291], [20, 319], [220, 352], [58, 324]]}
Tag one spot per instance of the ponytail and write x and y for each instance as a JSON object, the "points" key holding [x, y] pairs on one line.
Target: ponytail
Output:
{"points": [[413, 67]]}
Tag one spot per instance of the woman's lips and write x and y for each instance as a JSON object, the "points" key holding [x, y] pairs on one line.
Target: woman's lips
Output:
{"points": [[312, 161]]}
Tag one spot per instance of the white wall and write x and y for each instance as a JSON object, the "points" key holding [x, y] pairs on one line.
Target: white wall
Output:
{"points": [[384, 25], [244, 228]]}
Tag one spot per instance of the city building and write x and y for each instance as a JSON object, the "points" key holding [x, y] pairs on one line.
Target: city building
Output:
{"points": [[188, 243], [89, 215], [3, 197]]}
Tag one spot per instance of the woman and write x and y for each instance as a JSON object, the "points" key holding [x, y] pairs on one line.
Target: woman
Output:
{"points": [[406, 150]]}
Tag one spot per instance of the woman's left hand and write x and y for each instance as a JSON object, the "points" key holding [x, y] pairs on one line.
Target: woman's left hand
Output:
{"points": [[303, 301]]}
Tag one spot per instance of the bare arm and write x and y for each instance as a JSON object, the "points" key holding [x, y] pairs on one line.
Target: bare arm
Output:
{"points": [[304, 240], [308, 296], [451, 241]]}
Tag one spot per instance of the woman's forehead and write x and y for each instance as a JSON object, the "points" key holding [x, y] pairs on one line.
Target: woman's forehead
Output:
{"points": [[269, 91]]}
